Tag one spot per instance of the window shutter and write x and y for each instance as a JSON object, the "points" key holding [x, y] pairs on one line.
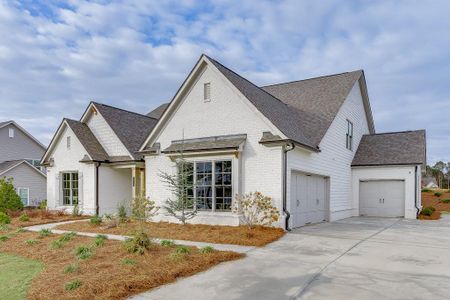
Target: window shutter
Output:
{"points": [[80, 190], [58, 190]]}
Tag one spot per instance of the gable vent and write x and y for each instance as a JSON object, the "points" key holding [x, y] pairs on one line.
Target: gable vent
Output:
{"points": [[207, 92]]}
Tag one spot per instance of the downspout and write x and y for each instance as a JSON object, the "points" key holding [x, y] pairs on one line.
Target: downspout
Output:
{"points": [[415, 192], [97, 206], [286, 149]]}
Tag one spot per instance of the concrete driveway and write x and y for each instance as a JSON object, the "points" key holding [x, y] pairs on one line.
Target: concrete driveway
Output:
{"points": [[355, 258]]}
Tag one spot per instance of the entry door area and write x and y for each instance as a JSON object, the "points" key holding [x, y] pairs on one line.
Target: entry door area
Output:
{"points": [[382, 198], [308, 199]]}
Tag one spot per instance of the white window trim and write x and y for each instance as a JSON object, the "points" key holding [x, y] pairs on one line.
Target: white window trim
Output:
{"points": [[11, 132], [28, 194]]}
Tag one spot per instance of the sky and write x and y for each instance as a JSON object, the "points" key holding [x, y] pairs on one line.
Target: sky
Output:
{"points": [[57, 56]]}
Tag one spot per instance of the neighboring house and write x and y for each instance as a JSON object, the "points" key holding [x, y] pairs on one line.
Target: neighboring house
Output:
{"points": [[309, 144], [20, 154], [429, 182]]}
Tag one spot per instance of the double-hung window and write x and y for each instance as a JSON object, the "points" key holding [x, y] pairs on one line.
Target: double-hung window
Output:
{"points": [[70, 188], [24, 194], [349, 135], [211, 185]]}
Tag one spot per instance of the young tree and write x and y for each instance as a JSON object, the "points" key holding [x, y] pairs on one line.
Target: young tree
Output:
{"points": [[182, 206], [440, 167], [8, 196]]}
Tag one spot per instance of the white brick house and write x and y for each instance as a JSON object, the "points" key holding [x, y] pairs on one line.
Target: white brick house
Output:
{"points": [[309, 144]]}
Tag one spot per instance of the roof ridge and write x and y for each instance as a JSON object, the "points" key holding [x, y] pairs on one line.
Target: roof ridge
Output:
{"points": [[311, 78], [128, 111], [395, 132]]}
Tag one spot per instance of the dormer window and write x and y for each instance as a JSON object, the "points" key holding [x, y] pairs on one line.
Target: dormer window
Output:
{"points": [[207, 92], [11, 132], [349, 135], [68, 142]]}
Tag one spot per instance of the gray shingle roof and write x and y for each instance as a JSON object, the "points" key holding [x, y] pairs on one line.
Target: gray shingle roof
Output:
{"points": [[8, 164], [4, 123], [131, 128], [88, 140], [157, 112], [207, 143], [396, 148]]}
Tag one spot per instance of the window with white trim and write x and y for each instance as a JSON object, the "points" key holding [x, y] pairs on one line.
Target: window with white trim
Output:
{"points": [[207, 92], [68, 142], [70, 188], [349, 135], [212, 185], [24, 194], [11, 132]]}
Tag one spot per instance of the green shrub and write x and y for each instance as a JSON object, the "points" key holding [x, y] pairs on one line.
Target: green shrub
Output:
{"points": [[9, 200], [122, 213], [183, 250], [445, 200], [70, 269], [100, 240], [448, 191], [44, 232], [95, 220], [138, 243], [177, 257], [31, 242], [167, 243], [43, 204], [128, 261], [67, 236], [56, 244], [4, 238], [83, 252], [24, 218], [426, 190], [207, 249], [438, 194], [73, 285], [428, 211], [4, 218], [20, 230], [4, 227]]}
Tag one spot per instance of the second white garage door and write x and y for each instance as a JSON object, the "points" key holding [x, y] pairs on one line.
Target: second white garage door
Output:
{"points": [[382, 198], [308, 199]]}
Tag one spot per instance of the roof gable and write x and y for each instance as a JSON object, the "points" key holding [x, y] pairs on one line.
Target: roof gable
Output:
{"points": [[157, 112], [11, 122], [88, 140], [7, 166]]}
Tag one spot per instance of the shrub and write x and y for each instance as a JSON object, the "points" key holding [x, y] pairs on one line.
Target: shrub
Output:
{"points": [[95, 220], [70, 269], [20, 229], [67, 236], [138, 243], [177, 257], [4, 227], [24, 218], [73, 285], [428, 211], [44, 232], [143, 208], [3, 238], [438, 194], [445, 200], [207, 249], [167, 243], [31, 242], [122, 213], [426, 190], [256, 209], [83, 252], [4, 218], [56, 244], [43, 204], [183, 250], [100, 240], [128, 261], [9, 200]]}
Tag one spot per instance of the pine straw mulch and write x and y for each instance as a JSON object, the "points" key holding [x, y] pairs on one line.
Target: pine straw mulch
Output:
{"points": [[40, 216], [104, 275], [429, 199], [235, 235]]}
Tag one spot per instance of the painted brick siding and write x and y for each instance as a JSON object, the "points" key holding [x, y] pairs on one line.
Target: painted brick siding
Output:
{"points": [[110, 198], [258, 167], [18, 147], [106, 136], [66, 160], [24, 176], [334, 160]]}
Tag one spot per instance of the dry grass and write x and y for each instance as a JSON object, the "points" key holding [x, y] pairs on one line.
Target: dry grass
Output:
{"points": [[240, 235], [429, 199], [40, 216], [104, 275]]}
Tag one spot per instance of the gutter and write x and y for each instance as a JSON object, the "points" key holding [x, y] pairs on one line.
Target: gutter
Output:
{"points": [[286, 149], [97, 206], [415, 192]]}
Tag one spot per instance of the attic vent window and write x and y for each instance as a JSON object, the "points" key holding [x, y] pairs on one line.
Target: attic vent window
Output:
{"points": [[68, 142], [11, 132], [207, 92], [349, 135]]}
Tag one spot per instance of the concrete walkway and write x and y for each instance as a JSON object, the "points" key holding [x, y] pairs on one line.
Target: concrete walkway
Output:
{"points": [[356, 258], [222, 247]]}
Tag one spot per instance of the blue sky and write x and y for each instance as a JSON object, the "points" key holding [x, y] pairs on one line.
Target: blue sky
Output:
{"points": [[56, 56]]}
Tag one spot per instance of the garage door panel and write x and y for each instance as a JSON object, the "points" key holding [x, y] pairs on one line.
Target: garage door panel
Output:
{"points": [[382, 198]]}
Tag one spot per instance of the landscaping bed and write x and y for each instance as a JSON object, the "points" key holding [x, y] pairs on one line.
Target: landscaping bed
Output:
{"points": [[79, 267], [39, 216], [235, 235], [438, 199]]}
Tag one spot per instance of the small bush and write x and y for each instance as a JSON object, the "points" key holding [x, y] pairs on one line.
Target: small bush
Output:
{"points": [[426, 190], [438, 194], [4, 227], [128, 261], [43, 204], [183, 250], [122, 213], [100, 240], [428, 211], [4, 238], [9, 200], [83, 252], [207, 249], [70, 269], [255, 209], [24, 218], [167, 243], [31, 242], [4, 218], [73, 285], [56, 244], [177, 257], [138, 243], [95, 220], [445, 200], [20, 230], [67, 236], [44, 232]]}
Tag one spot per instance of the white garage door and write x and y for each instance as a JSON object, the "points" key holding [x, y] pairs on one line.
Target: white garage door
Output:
{"points": [[308, 199], [382, 198]]}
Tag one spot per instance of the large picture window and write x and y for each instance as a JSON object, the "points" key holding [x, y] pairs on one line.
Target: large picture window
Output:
{"points": [[70, 188], [212, 185]]}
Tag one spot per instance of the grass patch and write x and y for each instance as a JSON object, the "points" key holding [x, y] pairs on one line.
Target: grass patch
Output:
{"points": [[31, 242], [16, 275], [4, 227], [445, 200], [24, 218], [426, 190], [128, 261], [183, 250], [100, 240], [428, 211], [207, 249], [83, 252], [95, 220], [167, 243], [73, 285], [44, 232], [437, 194], [4, 238], [70, 269]]}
